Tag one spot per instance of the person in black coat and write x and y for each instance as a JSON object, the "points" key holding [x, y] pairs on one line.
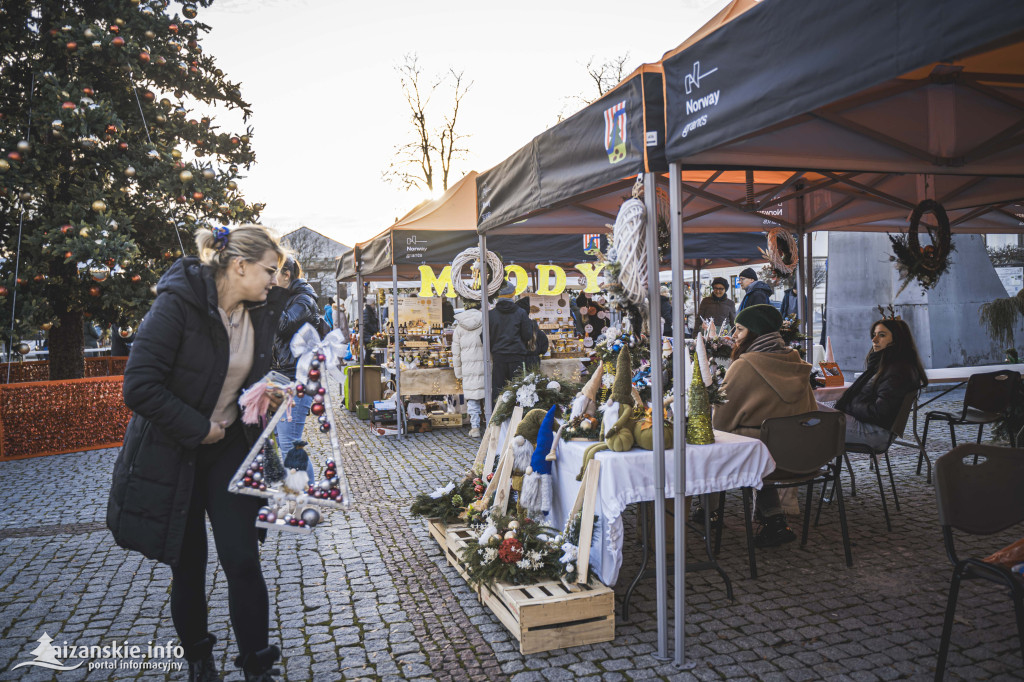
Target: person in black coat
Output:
{"points": [[666, 312], [757, 292], [300, 308], [510, 330], [208, 335], [540, 344], [370, 327], [893, 371]]}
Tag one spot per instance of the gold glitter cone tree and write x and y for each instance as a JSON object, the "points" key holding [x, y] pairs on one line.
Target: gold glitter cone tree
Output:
{"points": [[698, 411]]}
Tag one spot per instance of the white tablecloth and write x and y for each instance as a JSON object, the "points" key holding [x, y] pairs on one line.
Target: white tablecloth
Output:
{"points": [[627, 477]]}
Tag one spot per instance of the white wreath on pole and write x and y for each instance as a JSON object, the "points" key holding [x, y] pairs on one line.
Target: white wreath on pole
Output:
{"points": [[495, 273], [630, 249]]}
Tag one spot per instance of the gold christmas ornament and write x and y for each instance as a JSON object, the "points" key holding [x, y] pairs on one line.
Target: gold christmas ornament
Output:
{"points": [[84, 232], [130, 171], [99, 206], [46, 326], [185, 176], [99, 273], [208, 173], [23, 348]]}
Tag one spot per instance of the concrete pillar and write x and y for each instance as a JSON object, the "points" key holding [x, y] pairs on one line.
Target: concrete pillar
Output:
{"points": [[944, 320]]}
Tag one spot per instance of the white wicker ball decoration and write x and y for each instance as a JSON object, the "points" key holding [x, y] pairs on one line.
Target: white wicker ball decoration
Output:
{"points": [[776, 258], [630, 249], [495, 273]]}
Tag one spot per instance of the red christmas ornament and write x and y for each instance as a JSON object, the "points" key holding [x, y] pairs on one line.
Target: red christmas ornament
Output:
{"points": [[95, 291], [314, 375], [3, 291], [114, 28], [317, 408], [325, 427], [136, 278], [144, 56], [321, 391], [88, 92], [321, 357], [117, 42], [173, 28], [14, 156], [67, 228], [67, 105], [72, 46]]}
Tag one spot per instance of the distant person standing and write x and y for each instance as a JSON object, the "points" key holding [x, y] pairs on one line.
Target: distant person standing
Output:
{"points": [[789, 302], [468, 361], [666, 311], [447, 312], [370, 327], [718, 307], [757, 292], [299, 309], [510, 330], [539, 344], [329, 312]]}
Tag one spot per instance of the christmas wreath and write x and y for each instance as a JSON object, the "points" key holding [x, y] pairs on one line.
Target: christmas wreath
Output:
{"points": [[513, 549], [584, 427], [923, 263], [781, 253]]}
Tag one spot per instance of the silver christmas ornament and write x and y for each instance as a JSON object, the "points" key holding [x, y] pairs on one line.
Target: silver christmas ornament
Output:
{"points": [[311, 517]]}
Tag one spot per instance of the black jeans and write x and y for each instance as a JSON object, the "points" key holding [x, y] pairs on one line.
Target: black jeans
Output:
{"points": [[236, 537], [502, 370]]}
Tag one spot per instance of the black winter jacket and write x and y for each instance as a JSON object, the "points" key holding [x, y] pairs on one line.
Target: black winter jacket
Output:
{"points": [[510, 330], [666, 315], [370, 325], [878, 402], [300, 308], [171, 383], [757, 293]]}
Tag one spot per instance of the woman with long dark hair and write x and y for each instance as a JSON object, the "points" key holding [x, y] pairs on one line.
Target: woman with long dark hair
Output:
{"points": [[893, 370], [766, 379], [208, 335]]}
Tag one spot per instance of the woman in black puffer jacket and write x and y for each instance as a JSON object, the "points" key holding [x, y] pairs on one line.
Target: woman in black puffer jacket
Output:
{"points": [[893, 371], [300, 308], [208, 335]]}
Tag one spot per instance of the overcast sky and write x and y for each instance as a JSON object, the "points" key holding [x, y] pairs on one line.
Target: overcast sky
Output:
{"points": [[328, 107]]}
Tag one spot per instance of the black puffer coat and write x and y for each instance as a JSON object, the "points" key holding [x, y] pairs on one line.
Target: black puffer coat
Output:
{"points": [[878, 402], [511, 329], [171, 383], [300, 308]]}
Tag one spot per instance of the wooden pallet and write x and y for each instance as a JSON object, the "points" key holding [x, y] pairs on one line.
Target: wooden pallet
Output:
{"points": [[439, 531], [548, 615]]}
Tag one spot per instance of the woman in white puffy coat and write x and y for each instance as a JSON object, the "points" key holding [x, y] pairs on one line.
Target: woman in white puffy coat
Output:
{"points": [[468, 363]]}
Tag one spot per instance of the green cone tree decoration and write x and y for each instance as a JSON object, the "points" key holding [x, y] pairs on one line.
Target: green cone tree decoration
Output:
{"points": [[698, 411]]}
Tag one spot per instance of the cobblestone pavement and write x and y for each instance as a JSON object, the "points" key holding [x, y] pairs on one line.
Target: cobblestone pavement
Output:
{"points": [[370, 596]]}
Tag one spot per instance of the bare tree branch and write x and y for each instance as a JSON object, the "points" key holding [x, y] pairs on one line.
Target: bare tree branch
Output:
{"points": [[604, 76], [413, 165]]}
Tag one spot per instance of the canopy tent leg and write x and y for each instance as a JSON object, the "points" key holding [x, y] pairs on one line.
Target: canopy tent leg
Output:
{"points": [[810, 297], [484, 278], [801, 278], [657, 400], [398, 360], [679, 360], [362, 339]]}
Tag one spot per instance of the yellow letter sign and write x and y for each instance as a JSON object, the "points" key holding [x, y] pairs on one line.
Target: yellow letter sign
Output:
{"points": [[544, 287], [590, 271], [441, 284], [521, 279]]}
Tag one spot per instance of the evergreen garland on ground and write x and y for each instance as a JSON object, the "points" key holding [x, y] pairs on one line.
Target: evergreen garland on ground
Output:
{"points": [[449, 502], [570, 545], [516, 550]]}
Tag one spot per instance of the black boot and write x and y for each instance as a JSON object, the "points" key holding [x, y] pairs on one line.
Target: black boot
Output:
{"points": [[201, 666], [259, 666], [774, 532]]}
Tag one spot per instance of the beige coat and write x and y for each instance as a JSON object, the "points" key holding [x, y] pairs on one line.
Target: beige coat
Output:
{"points": [[760, 386]]}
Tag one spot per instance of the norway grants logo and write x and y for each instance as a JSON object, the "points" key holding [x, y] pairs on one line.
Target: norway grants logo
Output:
{"points": [[46, 656], [615, 132]]}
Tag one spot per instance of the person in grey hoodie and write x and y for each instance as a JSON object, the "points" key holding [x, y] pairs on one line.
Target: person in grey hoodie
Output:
{"points": [[757, 292], [468, 361]]}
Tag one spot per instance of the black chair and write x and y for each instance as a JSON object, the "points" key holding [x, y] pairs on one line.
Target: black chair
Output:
{"points": [[808, 448], [986, 400], [898, 427], [979, 498]]}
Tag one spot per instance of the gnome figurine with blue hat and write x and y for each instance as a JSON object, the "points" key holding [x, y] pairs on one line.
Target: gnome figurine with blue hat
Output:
{"points": [[537, 485], [295, 463]]}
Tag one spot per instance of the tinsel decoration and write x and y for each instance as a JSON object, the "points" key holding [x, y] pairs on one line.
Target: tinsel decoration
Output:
{"points": [[698, 417], [54, 417]]}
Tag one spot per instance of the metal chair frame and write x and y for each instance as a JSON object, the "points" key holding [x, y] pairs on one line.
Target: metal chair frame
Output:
{"points": [[986, 400], [815, 457], [979, 498]]}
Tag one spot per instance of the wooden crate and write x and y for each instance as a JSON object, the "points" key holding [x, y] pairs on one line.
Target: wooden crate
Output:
{"points": [[438, 531], [445, 421], [547, 615], [456, 539]]}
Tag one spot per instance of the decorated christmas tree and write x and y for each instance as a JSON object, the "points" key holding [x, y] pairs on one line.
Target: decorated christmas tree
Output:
{"points": [[698, 408], [106, 166]]}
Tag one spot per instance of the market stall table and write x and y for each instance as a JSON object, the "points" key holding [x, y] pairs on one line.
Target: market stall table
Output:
{"points": [[732, 461], [442, 381]]}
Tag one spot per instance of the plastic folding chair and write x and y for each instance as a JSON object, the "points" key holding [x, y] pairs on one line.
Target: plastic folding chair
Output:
{"points": [[900, 425], [808, 448], [986, 400], [979, 497]]}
